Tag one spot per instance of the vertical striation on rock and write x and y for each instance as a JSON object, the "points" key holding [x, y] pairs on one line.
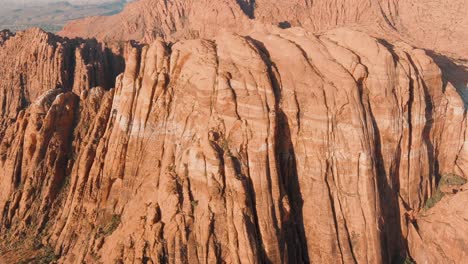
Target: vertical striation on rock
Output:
{"points": [[279, 146], [40, 77]]}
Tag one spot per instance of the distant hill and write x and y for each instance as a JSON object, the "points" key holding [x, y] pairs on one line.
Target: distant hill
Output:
{"points": [[52, 15]]}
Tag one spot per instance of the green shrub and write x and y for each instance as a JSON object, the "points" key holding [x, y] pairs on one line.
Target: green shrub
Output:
{"points": [[434, 199], [452, 179], [110, 227], [171, 168], [48, 256], [448, 179], [225, 145]]}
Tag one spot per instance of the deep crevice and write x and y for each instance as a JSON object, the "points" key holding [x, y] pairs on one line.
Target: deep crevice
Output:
{"points": [[248, 7]]}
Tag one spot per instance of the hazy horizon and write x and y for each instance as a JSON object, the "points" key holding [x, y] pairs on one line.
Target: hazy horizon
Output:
{"points": [[21, 14], [75, 2]]}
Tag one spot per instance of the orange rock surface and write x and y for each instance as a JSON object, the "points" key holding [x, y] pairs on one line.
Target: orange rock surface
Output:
{"points": [[251, 144], [432, 24]]}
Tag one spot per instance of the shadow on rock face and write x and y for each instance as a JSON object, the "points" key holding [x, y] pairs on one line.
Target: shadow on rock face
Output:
{"points": [[453, 71], [284, 24], [248, 7]]}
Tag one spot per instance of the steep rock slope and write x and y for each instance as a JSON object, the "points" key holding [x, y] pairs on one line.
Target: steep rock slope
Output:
{"points": [[439, 26], [440, 233], [38, 73], [43, 61], [280, 146], [436, 25], [147, 19]]}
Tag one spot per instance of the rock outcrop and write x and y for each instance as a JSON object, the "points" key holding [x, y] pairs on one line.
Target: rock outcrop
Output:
{"points": [[431, 24], [41, 75], [146, 20], [440, 233], [280, 146]]}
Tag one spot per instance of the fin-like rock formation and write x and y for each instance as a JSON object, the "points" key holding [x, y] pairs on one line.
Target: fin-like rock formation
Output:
{"points": [[277, 147], [41, 78]]}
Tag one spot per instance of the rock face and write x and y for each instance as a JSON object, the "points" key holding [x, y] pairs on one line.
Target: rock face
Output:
{"points": [[440, 234], [280, 146], [146, 20], [436, 25], [40, 77], [431, 24]]}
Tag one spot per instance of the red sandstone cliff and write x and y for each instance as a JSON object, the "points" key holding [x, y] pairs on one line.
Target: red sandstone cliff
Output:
{"points": [[432, 24], [275, 146]]}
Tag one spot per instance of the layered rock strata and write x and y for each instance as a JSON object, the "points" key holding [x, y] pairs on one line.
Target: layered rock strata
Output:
{"points": [[431, 24], [277, 147]]}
